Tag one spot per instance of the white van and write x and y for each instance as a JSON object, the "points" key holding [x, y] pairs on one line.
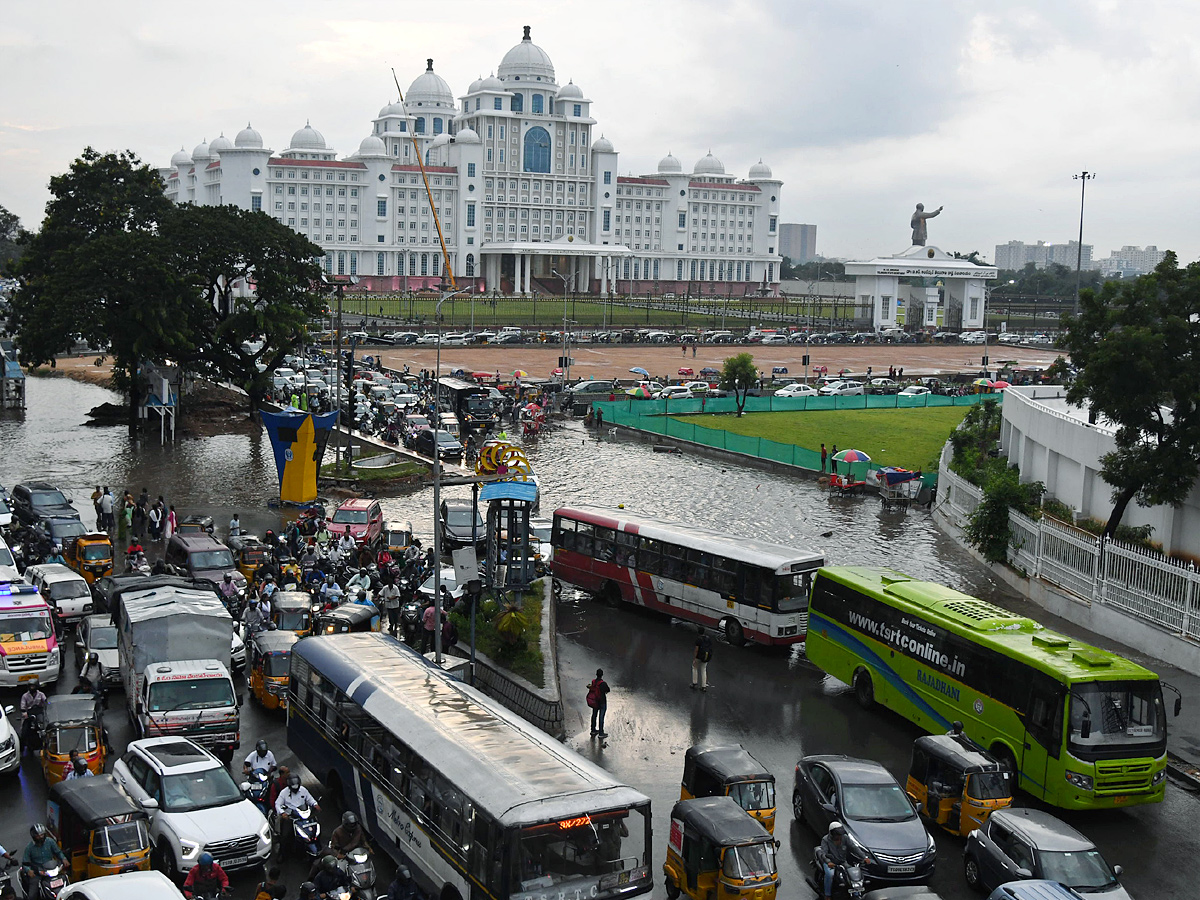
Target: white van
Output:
{"points": [[448, 421], [64, 589]]}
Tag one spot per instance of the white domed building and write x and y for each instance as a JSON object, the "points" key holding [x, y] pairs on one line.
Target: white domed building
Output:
{"points": [[524, 186]]}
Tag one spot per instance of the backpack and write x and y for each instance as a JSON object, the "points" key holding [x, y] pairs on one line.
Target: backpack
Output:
{"points": [[593, 694], [705, 644]]}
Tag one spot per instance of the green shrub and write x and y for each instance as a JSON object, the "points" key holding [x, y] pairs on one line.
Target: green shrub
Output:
{"points": [[988, 529]]}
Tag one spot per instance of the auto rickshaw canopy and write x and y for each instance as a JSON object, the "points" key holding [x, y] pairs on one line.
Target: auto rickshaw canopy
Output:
{"points": [[720, 821], [355, 617], [952, 753], [274, 641], [72, 709], [95, 801], [292, 601], [727, 763]]}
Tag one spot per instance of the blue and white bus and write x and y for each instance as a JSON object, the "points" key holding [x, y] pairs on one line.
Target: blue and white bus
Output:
{"points": [[476, 801]]}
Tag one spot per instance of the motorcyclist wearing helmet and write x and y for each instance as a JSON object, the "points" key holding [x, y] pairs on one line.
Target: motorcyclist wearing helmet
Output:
{"points": [[206, 877], [260, 757], [328, 877], [402, 887], [229, 590], [294, 797], [79, 769], [33, 704], [833, 852], [41, 853], [347, 836]]}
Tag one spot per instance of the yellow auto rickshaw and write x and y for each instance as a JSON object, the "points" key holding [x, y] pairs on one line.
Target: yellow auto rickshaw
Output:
{"points": [[91, 555], [249, 553], [269, 664], [956, 784], [348, 617], [716, 849], [101, 830], [292, 611], [728, 770], [72, 723], [397, 537]]}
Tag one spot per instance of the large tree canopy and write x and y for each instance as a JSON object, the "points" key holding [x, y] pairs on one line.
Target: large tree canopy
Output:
{"points": [[1137, 349], [738, 375]]}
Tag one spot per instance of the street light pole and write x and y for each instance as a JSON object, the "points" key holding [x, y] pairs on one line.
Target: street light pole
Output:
{"points": [[1083, 178], [566, 351]]}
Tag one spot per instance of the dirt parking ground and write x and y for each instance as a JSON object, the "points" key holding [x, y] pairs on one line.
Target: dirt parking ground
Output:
{"points": [[615, 360]]}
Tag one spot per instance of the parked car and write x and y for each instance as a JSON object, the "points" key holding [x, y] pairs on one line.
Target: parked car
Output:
{"points": [[39, 500], [456, 520], [194, 806], [796, 389], [593, 387], [448, 446], [360, 518], [509, 337], [882, 386], [877, 814], [842, 388], [1009, 337], [430, 338], [1017, 844], [864, 337], [915, 390], [775, 338], [697, 387], [947, 337], [674, 392]]}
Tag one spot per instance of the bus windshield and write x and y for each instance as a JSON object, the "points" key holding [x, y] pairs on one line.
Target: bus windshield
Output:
{"points": [[791, 592], [1124, 714], [559, 857]]}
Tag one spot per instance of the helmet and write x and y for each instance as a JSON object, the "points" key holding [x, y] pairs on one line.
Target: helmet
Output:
{"points": [[403, 874], [837, 829], [270, 577], [261, 747], [228, 576], [308, 891], [294, 782], [328, 863], [205, 860], [38, 831], [33, 685], [349, 820], [80, 765]]}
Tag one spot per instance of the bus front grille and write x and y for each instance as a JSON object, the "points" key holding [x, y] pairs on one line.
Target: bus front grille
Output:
{"points": [[1120, 778]]}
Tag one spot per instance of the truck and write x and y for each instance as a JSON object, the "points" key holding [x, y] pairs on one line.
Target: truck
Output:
{"points": [[174, 646], [469, 401]]}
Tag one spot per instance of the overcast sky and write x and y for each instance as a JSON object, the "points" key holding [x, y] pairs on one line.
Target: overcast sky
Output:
{"points": [[863, 108]]}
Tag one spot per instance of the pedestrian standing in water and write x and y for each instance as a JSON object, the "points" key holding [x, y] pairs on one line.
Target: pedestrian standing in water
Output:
{"points": [[597, 699], [700, 658]]}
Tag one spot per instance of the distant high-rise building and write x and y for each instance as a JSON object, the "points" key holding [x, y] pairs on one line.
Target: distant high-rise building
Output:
{"points": [[798, 243], [1130, 261], [1018, 254]]}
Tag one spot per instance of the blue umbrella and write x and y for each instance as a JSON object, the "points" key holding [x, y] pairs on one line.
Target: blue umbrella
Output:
{"points": [[638, 370]]}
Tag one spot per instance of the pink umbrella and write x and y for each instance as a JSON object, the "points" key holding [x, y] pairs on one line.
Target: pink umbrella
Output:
{"points": [[1000, 384]]}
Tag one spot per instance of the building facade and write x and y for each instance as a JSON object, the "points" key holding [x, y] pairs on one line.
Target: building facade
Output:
{"points": [[1018, 254], [528, 196], [798, 243], [1130, 261]]}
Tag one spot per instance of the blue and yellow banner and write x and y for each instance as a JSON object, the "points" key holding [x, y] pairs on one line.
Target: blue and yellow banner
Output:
{"points": [[298, 440]]}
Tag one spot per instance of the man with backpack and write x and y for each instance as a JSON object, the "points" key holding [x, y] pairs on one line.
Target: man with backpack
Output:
{"points": [[700, 658], [597, 699]]}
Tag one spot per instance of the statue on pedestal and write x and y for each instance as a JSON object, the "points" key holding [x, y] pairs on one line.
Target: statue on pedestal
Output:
{"points": [[919, 232]]}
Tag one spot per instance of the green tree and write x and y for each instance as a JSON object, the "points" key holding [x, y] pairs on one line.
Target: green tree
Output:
{"points": [[228, 251], [1136, 347], [13, 238], [99, 271], [738, 375]]}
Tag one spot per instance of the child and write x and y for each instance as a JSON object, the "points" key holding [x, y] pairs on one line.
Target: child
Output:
{"points": [[271, 888]]}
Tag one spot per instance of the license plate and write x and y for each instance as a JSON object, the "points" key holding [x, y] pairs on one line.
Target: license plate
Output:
{"points": [[901, 870], [237, 861], [29, 677]]}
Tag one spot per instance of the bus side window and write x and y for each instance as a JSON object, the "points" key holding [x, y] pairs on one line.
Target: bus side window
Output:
{"points": [[649, 558], [583, 538], [564, 534], [698, 572], [626, 554], [482, 849], [604, 544], [723, 576], [672, 562]]}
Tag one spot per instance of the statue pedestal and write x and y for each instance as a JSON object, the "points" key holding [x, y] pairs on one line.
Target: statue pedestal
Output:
{"points": [[959, 283]]}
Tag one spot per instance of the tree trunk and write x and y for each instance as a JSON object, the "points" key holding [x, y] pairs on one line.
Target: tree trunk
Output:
{"points": [[1118, 512], [135, 395]]}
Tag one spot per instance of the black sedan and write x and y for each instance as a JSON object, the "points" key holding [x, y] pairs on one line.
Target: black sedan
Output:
{"points": [[1017, 844], [879, 818]]}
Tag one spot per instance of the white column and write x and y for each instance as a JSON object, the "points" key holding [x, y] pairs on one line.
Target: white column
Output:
{"points": [[603, 261], [528, 273]]}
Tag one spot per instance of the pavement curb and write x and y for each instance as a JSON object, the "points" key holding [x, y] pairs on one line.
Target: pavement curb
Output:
{"points": [[1184, 772]]}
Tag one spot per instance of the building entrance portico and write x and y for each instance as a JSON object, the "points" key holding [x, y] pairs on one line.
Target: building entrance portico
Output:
{"points": [[569, 264]]}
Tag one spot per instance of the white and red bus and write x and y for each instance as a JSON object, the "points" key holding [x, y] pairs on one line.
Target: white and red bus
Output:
{"points": [[749, 588]]}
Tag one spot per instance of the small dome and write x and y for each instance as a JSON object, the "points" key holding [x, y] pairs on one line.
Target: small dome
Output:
{"points": [[201, 151], [221, 144], [466, 136], [602, 145], [476, 85], [528, 60], [181, 159], [440, 141], [248, 139], [570, 91], [308, 138], [491, 83], [669, 165], [760, 171], [372, 146], [430, 89], [710, 165]]}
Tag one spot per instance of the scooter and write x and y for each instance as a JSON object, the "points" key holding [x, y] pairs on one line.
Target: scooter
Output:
{"points": [[306, 830], [360, 868], [49, 881], [257, 789], [848, 879], [410, 621]]}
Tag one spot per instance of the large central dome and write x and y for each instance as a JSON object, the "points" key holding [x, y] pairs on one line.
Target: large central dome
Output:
{"points": [[526, 60]]}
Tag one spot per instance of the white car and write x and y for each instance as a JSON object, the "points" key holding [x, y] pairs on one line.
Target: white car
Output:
{"points": [[697, 387], [63, 588], [1010, 337], [796, 389], [428, 339], [123, 886], [973, 337], [448, 582], [8, 566], [237, 652], [674, 392], [775, 339], [10, 743], [194, 806], [455, 340], [915, 390], [842, 388]]}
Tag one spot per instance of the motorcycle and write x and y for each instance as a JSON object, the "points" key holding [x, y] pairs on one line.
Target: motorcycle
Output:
{"points": [[410, 621], [848, 878], [50, 880], [257, 789], [7, 890], [360, 868], [306, 830]]}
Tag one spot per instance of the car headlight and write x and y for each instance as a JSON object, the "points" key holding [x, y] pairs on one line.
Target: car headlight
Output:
{"points": [[54, 657], [1158, 778], [8, 744], [188, 849], [264, 833], [930, 850], [1079, 780]]}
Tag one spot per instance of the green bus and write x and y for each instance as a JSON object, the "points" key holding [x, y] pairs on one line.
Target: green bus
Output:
{"points": [[1082, 727]]}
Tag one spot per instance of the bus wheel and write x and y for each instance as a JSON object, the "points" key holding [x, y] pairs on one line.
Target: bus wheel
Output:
{"points": [[672, 889], [734, 633], [1005, 757], [864, 690], [611, 594]]}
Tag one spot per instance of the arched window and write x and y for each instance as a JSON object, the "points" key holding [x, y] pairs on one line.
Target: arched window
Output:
{"points": [[437, 124], [424, 263], [536, 103], [551, 106], [518, 103], [470, 265], [537, 150], [420, 127]]}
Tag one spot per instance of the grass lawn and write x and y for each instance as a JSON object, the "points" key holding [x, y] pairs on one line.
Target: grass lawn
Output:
{"points": [[911, 438]]}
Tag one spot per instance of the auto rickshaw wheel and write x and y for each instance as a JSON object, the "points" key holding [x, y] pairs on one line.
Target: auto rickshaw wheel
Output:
{"points": [[672, 889], [734, 633], [864, 690]]}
